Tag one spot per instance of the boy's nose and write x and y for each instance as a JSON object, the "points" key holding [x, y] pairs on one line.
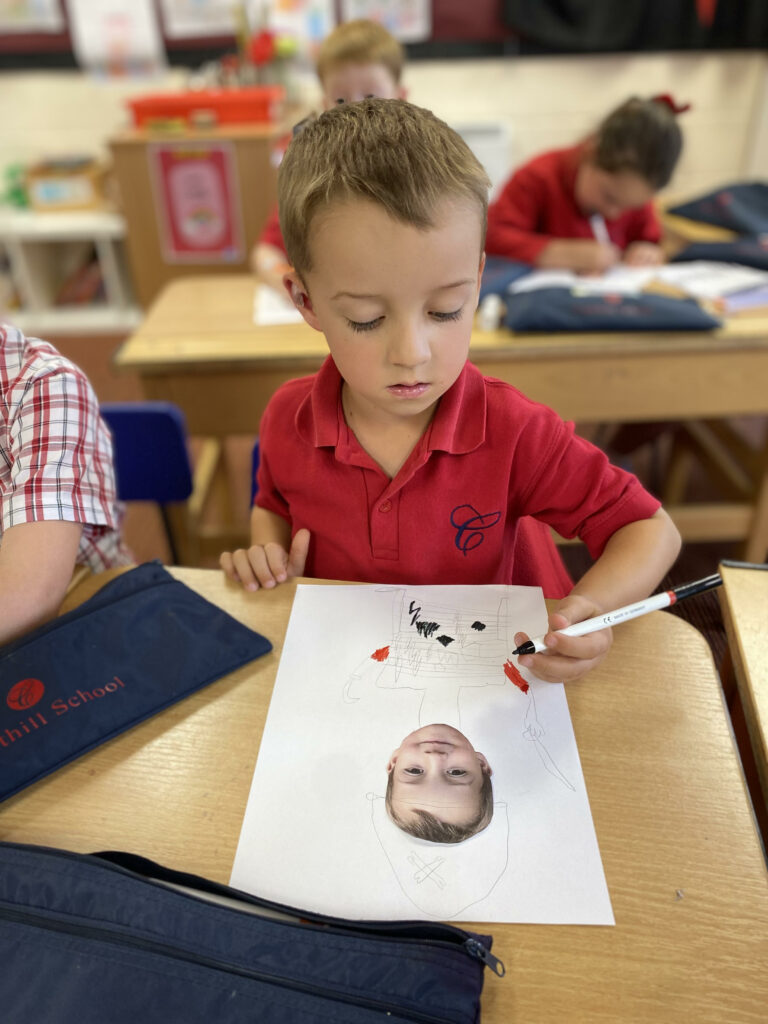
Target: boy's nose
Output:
{"points": [[409, 346]]}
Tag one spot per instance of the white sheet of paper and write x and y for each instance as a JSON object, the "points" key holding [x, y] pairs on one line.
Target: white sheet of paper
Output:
{"points": [[623, 280], [316, 834], [707, 279], [269, 308], [699, 279]]}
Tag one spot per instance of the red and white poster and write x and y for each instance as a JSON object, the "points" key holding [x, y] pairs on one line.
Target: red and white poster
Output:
{"points": [[197, 199]]}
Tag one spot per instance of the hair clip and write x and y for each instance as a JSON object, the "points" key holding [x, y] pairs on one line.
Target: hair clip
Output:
{"points": [[669, 101]]}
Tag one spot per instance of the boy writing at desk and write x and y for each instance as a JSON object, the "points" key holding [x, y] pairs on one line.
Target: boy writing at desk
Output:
{"points": [[587, 207], [357, 60], [398, 462]]}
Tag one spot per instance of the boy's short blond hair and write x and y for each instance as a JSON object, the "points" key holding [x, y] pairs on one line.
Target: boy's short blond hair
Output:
{"points": [[360, 42], [388, 152]]}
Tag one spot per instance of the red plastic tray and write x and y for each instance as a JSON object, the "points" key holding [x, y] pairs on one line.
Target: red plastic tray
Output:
{"points": [[231, 106]]}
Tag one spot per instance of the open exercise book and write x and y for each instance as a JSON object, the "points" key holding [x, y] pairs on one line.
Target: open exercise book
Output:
{"points": [[364, 667], [699, 279]]}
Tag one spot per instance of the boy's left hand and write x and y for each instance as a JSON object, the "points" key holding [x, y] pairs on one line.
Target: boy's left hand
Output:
{"points": [[643, 254], [568, 657]]}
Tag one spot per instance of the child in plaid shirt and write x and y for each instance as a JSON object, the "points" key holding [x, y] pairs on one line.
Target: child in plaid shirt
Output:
{"points": [[57, 490]]}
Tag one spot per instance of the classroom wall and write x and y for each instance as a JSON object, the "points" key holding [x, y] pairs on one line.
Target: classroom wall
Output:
{"points": [[543, 102]]}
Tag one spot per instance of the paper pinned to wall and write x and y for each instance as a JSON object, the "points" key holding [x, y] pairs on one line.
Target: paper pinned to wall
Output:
{"points": [[116, 37], [362, 668]]}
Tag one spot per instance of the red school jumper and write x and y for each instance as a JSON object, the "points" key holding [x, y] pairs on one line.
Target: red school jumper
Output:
{"points": [[537, 204], [457, 511], [271, 233]]}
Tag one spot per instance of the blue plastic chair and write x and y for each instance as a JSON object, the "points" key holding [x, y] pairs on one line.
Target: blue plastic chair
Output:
{"points": [[152, 463]]}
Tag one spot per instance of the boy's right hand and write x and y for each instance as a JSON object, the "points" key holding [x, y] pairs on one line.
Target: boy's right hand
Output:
{"points": [[266, 565], [593, 257], [580, 255]]}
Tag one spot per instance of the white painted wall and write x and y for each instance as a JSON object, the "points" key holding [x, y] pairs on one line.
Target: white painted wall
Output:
{"points": [[541, 101]]}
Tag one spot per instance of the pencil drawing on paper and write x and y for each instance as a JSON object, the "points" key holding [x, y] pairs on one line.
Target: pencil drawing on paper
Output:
{"points": [[444, 881], [439, 651], [416, 768]]}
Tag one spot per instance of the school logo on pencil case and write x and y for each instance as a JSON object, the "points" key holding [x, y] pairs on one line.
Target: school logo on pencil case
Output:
{"points": [[24, 694], [28, 692], [470, 526]]}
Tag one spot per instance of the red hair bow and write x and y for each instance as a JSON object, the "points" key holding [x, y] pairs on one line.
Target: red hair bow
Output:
{"points": [[676, 108]]}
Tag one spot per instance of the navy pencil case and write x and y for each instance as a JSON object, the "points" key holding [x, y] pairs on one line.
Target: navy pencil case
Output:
{"points": [[560, 309], [91, 938], [741, 207], [143, 642]]}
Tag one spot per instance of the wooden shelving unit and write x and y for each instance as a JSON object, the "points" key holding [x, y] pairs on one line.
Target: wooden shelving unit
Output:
{"points": [[40, 247]]}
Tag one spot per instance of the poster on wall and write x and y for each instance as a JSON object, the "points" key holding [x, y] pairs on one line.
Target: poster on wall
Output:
{"points": [[308, 20], [197, 201], [31, 16], [116, 37], [410, 21]]}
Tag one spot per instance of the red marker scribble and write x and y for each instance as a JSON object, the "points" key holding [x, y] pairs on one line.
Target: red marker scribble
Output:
{"points": [[381, 655], [513, 674]]}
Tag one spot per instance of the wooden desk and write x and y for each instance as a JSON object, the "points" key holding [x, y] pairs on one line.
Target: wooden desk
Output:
{"points": [[682, 859], [744, 603], [199, 347]]}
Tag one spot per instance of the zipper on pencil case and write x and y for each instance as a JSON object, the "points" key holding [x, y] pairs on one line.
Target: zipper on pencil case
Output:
{"points": [[120, 939], [432, 933]]}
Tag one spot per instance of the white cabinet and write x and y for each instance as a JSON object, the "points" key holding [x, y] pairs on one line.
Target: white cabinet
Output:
{"points": [[49, 253]]}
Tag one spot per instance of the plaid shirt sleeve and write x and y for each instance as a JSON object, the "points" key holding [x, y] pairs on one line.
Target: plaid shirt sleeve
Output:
{"points": [[60, 464]]}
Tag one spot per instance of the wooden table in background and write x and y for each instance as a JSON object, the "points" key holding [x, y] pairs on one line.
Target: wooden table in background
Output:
{"points": [[682, 858], [200, 348]]}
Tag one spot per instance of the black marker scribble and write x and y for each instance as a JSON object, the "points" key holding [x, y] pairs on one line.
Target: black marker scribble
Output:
{"points": [[445, 640], [426, 629], [479, 626]]}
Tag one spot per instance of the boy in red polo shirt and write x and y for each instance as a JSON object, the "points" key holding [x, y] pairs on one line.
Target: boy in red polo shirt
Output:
{"points": [[587, 207], [398, 462], [358, 59]]}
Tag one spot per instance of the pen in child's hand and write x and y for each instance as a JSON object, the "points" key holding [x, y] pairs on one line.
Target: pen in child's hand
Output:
{"points": [[629, 611], [599, 229]]}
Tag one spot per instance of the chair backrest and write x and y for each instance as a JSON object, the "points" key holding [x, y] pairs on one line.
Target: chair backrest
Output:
{"points": [[150, 448]]}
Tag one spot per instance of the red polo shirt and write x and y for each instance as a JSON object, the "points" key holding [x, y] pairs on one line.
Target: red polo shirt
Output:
{"points": [[538, 204], [271, 233], [455, 511]]}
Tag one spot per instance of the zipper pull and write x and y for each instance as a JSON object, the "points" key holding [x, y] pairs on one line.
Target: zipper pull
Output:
{"points": [[479, 952]]}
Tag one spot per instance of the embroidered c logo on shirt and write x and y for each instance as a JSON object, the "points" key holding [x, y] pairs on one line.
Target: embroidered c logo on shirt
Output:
{"points": [[469, 525]]}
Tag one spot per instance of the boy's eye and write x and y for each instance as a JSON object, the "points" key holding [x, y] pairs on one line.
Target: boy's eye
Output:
{"points": [[455, 315], [367, 325], [456, 773], [414, 771]]}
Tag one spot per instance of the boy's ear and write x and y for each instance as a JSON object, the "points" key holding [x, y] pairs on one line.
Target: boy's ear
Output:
{"points": [[299, 297], [484, 766], [392, 761]]}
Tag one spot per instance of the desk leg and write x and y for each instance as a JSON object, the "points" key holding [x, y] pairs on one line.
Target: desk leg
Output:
{"points": [[756, 549]]}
